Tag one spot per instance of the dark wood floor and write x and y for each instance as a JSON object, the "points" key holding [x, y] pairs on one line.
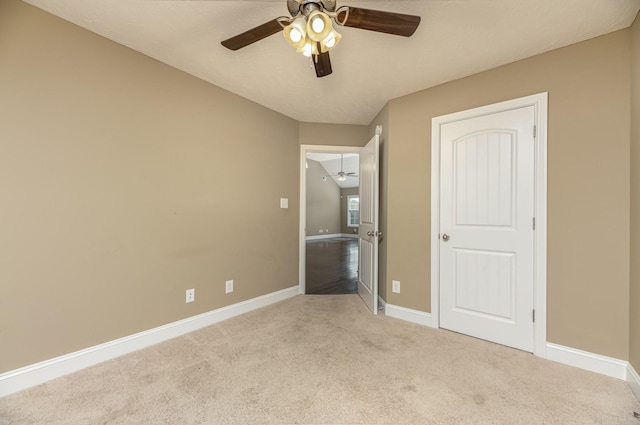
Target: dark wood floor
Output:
{"points": [[332, 266]]}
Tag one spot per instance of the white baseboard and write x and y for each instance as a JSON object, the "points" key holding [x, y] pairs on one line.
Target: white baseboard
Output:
{"points": [[35, 374], [589, 361], [633, 379], [332, 235], [382, 305], [326, 236], [415, 316]]}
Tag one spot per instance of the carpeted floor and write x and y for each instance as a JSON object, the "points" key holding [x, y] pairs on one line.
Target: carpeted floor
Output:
{"points": [[324, 360]]}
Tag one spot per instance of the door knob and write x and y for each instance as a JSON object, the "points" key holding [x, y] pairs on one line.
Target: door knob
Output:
{"points": [[369, 233], [446, 237]]}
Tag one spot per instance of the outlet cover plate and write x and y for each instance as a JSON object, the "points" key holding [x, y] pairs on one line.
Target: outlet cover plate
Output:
{"points": [[395, 286], [191, 295], [228, 286]]}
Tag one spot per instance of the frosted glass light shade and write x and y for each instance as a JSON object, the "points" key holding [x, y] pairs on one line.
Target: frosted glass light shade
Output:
{"points": [[318, 25], [309, 48], [330, 41], [295, 33]]}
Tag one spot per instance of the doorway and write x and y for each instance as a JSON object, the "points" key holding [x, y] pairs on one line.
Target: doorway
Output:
{"points": [[329, 220], [489, 223]]}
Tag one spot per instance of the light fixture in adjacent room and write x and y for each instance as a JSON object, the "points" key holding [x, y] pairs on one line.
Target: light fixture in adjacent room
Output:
{"points": [[341, 176]]}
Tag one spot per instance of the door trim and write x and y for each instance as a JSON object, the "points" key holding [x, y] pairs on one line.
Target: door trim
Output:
{"points": [[302, 252], [539, 102]]}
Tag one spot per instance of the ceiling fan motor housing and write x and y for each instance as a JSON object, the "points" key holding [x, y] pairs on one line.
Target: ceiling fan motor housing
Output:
{"points": [[305, 6]]}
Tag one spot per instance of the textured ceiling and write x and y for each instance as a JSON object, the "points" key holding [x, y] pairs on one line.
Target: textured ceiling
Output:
{"points": [[456, 38]]}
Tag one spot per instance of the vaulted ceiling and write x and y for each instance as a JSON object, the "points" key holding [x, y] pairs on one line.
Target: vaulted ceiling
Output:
{"points": [[333, 163], [456, 38]]}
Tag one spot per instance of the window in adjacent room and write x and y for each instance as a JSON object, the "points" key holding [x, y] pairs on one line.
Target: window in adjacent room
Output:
{"points": [[353, 210]]}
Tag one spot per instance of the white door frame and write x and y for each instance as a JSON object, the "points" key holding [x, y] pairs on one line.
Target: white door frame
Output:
{"points": [[539, 102], [302, 245]]}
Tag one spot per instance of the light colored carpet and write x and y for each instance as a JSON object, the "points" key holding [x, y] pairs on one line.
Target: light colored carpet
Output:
{"points": [[324, 360]]}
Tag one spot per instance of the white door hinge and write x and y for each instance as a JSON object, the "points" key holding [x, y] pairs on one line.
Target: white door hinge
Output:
{"points": [[534, 223], [534, 316], [535, 131]]}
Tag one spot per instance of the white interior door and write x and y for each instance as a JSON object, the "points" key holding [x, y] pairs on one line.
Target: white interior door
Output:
{"points": [[487, 227], [368, 231]]}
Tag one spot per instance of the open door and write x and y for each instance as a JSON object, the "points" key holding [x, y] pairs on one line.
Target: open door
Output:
{"points": [[368, 231]]}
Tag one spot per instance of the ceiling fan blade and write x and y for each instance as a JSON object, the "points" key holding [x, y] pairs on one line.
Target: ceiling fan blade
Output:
{"points": [[377, 20], [322, 63], [253, 35]]}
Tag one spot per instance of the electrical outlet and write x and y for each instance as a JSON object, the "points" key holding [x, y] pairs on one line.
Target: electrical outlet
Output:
{"points": [[320, 231], [228, 286], [395, 286], [191, 295], [326, 230]]}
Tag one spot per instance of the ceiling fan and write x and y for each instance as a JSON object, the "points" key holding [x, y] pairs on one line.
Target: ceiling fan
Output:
{"points": [[310, 29], [342, 176]]}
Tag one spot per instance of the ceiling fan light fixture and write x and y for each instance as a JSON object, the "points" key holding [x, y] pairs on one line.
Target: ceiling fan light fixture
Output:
{"points": [[318, 25], [295, 33], [309, 48], [330, 41], [341, 177]]}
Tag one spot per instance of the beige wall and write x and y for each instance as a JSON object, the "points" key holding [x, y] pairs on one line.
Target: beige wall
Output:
{"points": [[125, 182], [323, 201], [588, 185], [116, 195], [333, 134], [344, 193], [634, 328]]}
